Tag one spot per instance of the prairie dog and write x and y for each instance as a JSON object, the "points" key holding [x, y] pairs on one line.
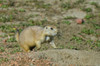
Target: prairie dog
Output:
{"points": [[33, 36]]}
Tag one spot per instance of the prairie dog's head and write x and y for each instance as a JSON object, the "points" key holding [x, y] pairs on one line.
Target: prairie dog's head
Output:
{"points": [[50, 30]]}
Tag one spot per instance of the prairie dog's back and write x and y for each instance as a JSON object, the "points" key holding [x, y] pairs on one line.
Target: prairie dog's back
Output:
{"points": [[37, 31], [30, 34]]}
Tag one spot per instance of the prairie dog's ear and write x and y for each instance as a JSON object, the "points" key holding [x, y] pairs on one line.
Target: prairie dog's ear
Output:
{"points": [[45, 27]]}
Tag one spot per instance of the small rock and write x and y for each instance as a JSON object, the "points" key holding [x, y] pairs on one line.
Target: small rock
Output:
{"points": [[79, 21]]}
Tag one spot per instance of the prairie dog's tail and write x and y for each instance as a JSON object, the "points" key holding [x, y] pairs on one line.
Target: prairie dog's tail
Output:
{"points": [[17, 35]]}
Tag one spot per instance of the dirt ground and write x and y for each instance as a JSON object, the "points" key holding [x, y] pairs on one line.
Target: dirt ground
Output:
{"points": [[58, 57], [79, 43]]}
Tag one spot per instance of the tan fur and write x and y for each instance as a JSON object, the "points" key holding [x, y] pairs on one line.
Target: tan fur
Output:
{"points": [[17, 36], [35, 35]]}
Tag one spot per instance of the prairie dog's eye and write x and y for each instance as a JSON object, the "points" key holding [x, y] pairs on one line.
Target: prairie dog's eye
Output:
{"points": [[51, 28]]}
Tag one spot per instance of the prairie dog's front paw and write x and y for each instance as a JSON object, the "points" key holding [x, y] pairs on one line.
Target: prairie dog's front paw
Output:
{"points": [[47, 38], [53, 44]]}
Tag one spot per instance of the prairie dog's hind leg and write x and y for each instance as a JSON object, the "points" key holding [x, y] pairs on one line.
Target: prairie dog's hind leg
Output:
{"points": [[53, 44], [26, 48]]}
